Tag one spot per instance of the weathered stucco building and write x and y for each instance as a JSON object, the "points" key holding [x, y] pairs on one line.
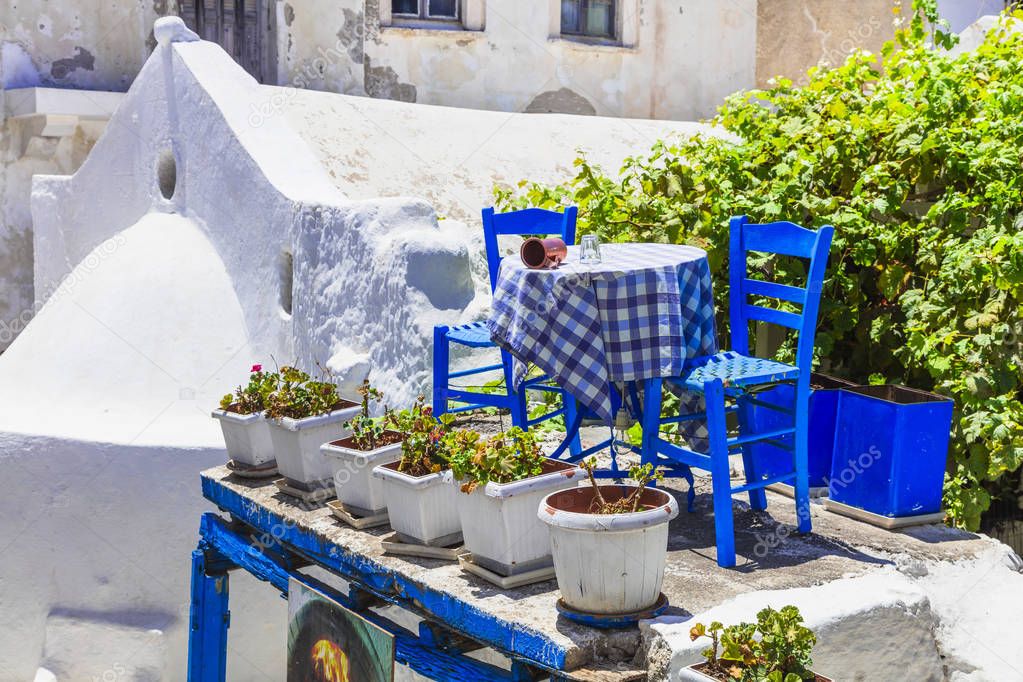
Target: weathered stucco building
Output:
{"points": [[672, 59]]}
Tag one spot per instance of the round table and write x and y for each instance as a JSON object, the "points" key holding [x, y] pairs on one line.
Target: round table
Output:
{"points": [[640, 313]]}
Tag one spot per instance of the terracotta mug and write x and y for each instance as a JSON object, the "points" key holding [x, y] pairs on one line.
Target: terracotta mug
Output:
{"points": [[539, 253]]}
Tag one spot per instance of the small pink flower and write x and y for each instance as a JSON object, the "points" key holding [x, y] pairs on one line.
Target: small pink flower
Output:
{"points": [[256, 368]]}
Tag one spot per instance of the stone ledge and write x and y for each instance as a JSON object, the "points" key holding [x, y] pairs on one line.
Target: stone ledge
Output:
{"points": [[57, 102]]}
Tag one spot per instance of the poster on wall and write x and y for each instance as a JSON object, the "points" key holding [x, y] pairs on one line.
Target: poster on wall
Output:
{"points": [[329, 643]]}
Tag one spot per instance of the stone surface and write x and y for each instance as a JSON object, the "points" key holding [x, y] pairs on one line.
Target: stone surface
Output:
{"points": [[794, 35]]}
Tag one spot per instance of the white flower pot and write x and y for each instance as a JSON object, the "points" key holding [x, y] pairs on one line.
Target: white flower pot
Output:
{"points": [[297, 445], [423, 508], [608, 563], [691, 674], [354, 482], [499, 521], [246, 436]]}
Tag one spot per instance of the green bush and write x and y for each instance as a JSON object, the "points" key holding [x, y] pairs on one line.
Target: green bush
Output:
{"points": [[914, 157]]}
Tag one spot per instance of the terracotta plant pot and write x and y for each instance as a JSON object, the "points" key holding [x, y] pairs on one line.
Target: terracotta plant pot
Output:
{"points": [[354, 482], [423, 509], [500, 524], [246, 437], [608, 564], [297, 445]]}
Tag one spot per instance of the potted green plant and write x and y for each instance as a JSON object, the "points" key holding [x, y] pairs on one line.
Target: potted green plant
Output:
{"points": [[370, 444], [246, 434], [421, 505], [304, 414], [599, 531], [774, 649], [503, 479]]}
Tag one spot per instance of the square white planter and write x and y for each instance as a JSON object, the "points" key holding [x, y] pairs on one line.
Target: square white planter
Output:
{"points": [[690, 674], [499, 521], [246, 437], [297, 445], [354, 482], [423, 508]]}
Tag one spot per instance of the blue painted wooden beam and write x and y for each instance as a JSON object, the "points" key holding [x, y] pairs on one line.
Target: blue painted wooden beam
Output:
{"points": [[513, 639], [421, 655], [209, 617]]}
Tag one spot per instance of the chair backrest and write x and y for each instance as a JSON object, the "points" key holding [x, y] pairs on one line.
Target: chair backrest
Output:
{"points": [[787, 239], [528, 221]]}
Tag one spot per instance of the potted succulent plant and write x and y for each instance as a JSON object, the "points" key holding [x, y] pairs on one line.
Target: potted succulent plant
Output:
{"points": [[503, 479], [421, 505], [774, 649], [304, 414], [246, 434], [599, 531], [371, 443]]}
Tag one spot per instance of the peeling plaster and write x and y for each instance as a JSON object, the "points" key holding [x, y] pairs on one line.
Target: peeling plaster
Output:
{"points": [[371, 26], [382, 82], [351, 34], [563, 101], [289, 14], [82, 59]]}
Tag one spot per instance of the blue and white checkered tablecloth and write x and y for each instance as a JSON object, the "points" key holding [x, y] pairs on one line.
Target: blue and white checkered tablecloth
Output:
{"points": [[640, 313]]}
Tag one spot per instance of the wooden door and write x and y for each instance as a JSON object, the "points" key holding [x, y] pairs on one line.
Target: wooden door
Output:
{"points": [[241, 27]]}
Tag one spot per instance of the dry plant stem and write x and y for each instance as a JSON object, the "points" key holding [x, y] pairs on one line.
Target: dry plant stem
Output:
{"points": [[596, 489]]}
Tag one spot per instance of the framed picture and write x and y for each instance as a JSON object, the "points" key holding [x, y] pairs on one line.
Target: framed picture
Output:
{"points": [[329, 643]]}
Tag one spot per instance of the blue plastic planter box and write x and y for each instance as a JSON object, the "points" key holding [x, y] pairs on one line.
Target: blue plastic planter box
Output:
{"points": [[891, 447], [774, 461]]}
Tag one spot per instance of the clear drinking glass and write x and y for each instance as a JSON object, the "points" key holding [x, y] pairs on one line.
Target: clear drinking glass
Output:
{"points": [[589, 249]]}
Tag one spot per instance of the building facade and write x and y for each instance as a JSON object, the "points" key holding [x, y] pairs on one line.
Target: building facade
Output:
{"points": [[671, 59]]}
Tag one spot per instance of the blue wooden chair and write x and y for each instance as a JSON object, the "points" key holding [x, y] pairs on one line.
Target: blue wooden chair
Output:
{"points": [[530, 221], [729, 380]]}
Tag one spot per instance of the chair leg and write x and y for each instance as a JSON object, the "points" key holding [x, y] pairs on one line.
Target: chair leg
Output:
{"points": [[440, 370], [724, 523], [687, 474], [571, 409], [801, 437], [757, 496], [517, 399], [650, 419]]}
